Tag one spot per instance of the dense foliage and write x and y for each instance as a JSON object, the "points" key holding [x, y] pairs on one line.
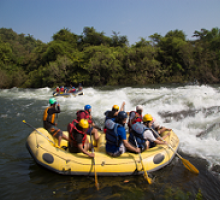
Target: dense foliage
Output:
{"points": [[95, 59]]}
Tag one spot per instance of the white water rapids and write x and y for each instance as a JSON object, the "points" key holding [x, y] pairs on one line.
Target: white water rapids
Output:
{"points": [[188, 110]]}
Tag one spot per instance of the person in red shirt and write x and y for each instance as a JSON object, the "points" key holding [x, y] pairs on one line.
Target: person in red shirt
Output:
{"points": [[86, 114]]}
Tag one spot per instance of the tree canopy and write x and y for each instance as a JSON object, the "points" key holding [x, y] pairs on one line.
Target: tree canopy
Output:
{"points": [[93, 58]]}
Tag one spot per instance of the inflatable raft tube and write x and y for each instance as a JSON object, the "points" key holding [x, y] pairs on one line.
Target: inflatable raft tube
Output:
{"points": [[63, 162], [68, 94]]}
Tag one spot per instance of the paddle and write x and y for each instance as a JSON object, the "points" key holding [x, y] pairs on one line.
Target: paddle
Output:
{"points": [[145, 172], [96, 178], [40, 133], [186, 163]]}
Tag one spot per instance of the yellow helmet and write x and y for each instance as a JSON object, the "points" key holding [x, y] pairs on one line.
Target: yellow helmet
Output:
{"points": [[147, 117], [115, 107], [84, 123]]}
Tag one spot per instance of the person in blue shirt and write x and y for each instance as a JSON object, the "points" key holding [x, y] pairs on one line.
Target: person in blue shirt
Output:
{"points": [[116, 141]]}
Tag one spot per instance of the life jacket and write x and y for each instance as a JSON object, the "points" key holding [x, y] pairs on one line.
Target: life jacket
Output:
{"points": [[137, 131], [112, 133], [72, 129], [87, 115], [72, 90], [110, 115], [137, 119], [49, 118], [57, 90], [61, 89]]}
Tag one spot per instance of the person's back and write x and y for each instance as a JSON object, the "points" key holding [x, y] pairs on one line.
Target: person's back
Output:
{"points": [[49, 121], [78, 137], [114, 138], [116, 142], [57, 90], [49, 114], [135, 116], [136, 135]]}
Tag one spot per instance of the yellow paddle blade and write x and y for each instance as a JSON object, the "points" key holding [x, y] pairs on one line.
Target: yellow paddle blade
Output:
{"points": [[149, 180], [190, 166], [96, 182], [24, 121]]}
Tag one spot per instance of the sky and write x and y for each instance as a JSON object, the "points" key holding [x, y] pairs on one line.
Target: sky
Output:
{"points": [[132, 18]]}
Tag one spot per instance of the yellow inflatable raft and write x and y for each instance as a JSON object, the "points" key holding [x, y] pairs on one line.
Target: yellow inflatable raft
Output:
{"points": [[41, 147], [62, 94]]}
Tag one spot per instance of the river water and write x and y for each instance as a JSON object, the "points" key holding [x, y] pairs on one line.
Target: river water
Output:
{"points": [[192, 111]]}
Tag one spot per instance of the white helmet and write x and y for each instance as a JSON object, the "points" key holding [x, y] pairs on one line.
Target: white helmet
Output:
{"points": [[139, 107], [156, 124]]}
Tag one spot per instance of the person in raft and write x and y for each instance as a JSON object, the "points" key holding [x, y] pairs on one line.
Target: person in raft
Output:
{"points": [[86, 114], [80, 88], [113, 113], [144, 134], [116, 142], [72, 90], [160, 129], [57, 90], [49, 121], [135, 116], [78, 137]]}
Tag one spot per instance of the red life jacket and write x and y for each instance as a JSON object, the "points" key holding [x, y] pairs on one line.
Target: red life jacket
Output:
{"points": [[86, 116], [72, 91], [57, 90], [61, 89], [72, 127], [137, 119]]}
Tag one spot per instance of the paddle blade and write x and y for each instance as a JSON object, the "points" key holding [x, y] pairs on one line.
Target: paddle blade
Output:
{"points": [[190, 166], [96, 182], [24, 121], [149, 180]]}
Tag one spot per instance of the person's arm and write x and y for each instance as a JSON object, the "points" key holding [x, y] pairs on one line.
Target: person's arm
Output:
{"points": [[91, 155], [160, 142], [122, 107], [130, 147], [168, 134], [122, 135], [162, 129]]}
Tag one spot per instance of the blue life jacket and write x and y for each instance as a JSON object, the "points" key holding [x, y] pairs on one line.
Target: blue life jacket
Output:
{"points": [[112, 133], [137, 131]]}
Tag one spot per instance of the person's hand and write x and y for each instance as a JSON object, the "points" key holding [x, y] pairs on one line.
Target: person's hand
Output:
{"points": [[123, 103], [138, 150], [91, 155], [168, 134]]}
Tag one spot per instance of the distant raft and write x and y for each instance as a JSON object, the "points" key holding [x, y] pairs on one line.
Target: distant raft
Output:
{"points": [[68, 94], [63, 162]]}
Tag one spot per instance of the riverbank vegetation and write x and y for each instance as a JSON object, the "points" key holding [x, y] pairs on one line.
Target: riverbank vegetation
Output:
{"points": [[95, 59]]}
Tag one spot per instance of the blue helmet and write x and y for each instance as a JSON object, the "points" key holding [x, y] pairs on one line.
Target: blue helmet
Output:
{"points": [[73, 87], [87, 107], [122, 115]]}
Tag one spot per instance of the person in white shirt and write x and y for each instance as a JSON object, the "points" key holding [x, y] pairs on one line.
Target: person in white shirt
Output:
{"points": [[148, 135]]}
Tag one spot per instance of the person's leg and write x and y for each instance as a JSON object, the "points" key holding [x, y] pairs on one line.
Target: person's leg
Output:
{"points": [[95, 133], [59, 140], [65, 137]]}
